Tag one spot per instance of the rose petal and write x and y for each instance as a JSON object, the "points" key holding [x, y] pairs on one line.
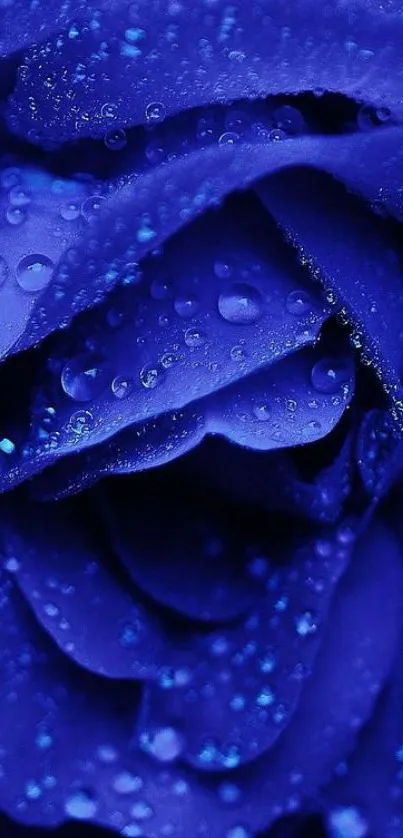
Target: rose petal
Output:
{"points": [[51, 701], [285, 405], [59, 567], [180, 333], [163, 200], [358, 257], [142, 63], [376, 764], [248, 679]]}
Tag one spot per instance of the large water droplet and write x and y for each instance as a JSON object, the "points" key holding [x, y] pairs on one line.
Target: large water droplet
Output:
{"points": [[242, 303], [81, 805], [34, 272], [84, 377], [329, 374]]}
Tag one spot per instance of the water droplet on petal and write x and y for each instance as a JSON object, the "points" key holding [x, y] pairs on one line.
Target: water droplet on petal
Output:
{"points": [[115, 140], [85, 377], [298, 302], [238, 832], [70, 211], [306, 624], [241, 303], [166, 744], [15, 216], [186, 305], [228, 138], [194, 337], [81, 422], [151, 376], [127, 783], [155, 112], [262, 412], [347, 822], [229, 792], [222, 270], [121, 386], [329, 374], [34, 272], [81, 805]]}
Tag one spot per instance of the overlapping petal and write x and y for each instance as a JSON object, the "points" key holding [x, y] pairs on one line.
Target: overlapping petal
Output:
{"points": [[138, 63], [100, 775]]}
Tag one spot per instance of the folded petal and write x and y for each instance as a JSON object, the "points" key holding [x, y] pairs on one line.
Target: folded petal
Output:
{"points": [[195, 320], [358, 259], [164, 200]]}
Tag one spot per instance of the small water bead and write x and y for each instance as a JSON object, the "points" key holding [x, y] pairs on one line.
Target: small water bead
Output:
{"points": [[166, 745], [194, 338], [10, 177], [265, 697], [19, 197], [241, 304], [92, 206], [81, 422], [70, 211], [16, 216], [155, 112], [298, 302], [7, 446], [121, 386], [81, 805], [186, 305], [262, 412], [127, 783], [228, 138], [132, 830], [347, 822], [329, 374], [306, 624], [222, 270], [109, 110], [33, 790], [12, 564], [43, 740], [107, 754], [34, 272], [151, 375], [129, 635], [168, 359], [141, 811], [238, 832], [115, 140], [229, 792], [85, 377], [289, 119]]}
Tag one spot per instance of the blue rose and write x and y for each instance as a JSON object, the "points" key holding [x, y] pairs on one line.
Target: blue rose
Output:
{"points": [[201, 426]]}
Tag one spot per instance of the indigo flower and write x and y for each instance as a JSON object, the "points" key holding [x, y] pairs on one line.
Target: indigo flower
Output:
{"points": [[201, 338]]}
